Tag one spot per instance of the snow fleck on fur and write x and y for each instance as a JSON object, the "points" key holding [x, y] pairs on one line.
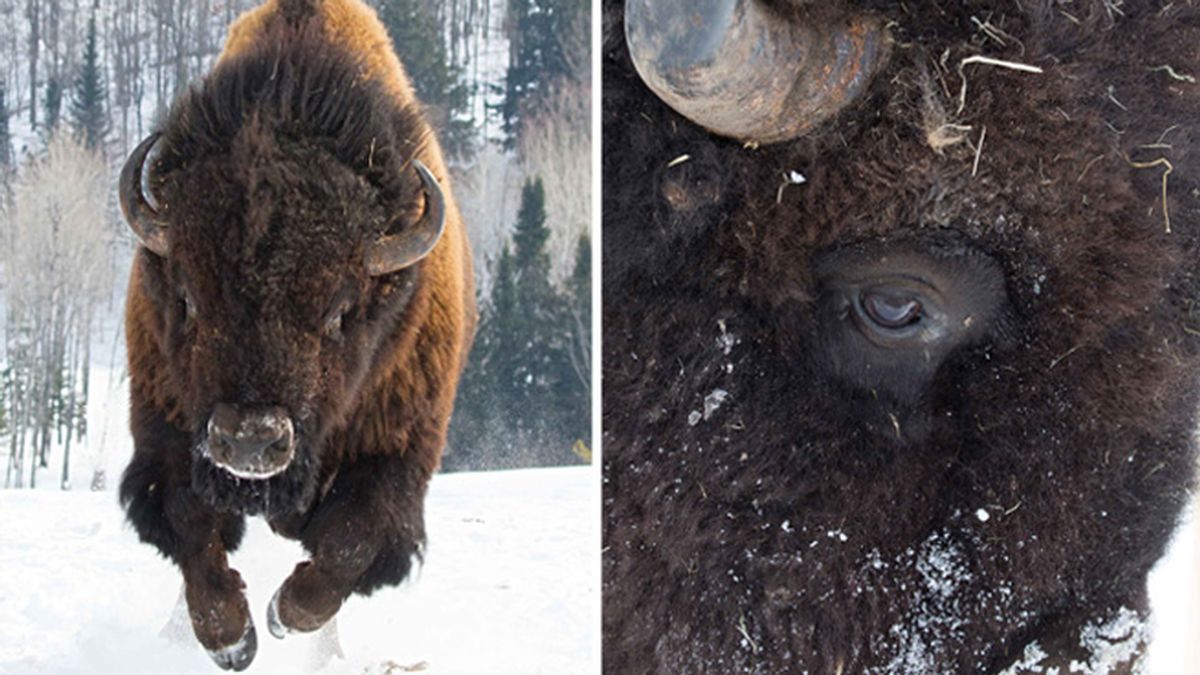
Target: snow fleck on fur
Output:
{"points": [[1112, 644], [1030, 661], [938, 615], [714, 401]]}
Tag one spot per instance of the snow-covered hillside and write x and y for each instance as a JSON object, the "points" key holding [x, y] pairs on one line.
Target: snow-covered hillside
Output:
{"points": [[509, 585]]}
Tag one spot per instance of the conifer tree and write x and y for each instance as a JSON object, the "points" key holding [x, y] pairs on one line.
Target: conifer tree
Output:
{"points": [[544, 47], [87, 106], [54, 95], [521, 402], [421, 44]]}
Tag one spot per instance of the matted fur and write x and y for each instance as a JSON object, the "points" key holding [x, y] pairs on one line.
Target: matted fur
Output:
{"points": [[275, 173], [763, 516]]}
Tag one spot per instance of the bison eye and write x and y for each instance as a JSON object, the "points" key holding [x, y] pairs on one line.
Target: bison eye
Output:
{"points": [[333, 320], [189, 306], [889, 313], [890, 309]]}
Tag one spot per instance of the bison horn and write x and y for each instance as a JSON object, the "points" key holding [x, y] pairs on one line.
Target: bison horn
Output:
{"points": [[144, 219], [741, 69], [393, 252]]}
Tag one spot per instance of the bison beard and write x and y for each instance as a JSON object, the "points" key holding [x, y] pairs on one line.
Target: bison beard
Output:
{"points": [[299, 312], [283, 495], [796, 480]]}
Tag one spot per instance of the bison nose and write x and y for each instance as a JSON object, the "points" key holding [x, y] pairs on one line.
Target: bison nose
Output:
{"points": [[252, 443]]}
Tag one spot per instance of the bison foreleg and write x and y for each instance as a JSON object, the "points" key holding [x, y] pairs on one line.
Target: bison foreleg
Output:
{"points": [[158, 498], [364, 535]]}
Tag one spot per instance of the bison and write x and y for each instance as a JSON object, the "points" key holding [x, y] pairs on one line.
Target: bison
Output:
{"points": [[297, 317], [901, 331]]}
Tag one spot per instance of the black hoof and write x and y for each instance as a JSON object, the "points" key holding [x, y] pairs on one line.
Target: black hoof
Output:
{"points": [[274, 625], [239, 655]]}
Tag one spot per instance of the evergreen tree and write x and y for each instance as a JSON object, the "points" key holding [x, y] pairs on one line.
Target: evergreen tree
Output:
{"points": [[547, 43], [54, 94], [480, 437], [576, 392], [421, 44], [87, 106], [537, 304], [531, 233], [521, 402], [580, 284]]}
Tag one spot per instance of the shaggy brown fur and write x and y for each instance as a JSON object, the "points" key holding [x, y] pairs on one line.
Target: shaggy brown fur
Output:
{"points": [[765, 513], [275, 173]]}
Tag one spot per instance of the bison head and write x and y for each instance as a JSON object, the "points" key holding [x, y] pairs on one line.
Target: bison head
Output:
{"points": [[856, 332], [283, 214]]}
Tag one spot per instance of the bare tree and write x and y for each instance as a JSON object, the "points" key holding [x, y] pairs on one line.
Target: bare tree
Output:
{"points": [[488, 193], [53, 240], [555, 144], [33, 14]]}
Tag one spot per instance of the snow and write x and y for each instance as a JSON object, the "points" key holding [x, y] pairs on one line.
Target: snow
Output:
{"points": [[1174, 588], [509, 585], [1112, 643], [1029, 662], [713, 401]]}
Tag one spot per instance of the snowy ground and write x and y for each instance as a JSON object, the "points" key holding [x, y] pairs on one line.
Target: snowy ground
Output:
{"points": [[509, 585]]}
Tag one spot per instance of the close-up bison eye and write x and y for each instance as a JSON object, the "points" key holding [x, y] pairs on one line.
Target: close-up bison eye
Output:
{"points": [[888, 309], [891, 313]]}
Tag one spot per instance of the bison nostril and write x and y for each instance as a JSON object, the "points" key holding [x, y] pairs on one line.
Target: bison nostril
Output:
{"points": [[280, 447]]}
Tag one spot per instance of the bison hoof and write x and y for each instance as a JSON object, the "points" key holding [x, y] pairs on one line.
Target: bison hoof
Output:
{"points": [[238, 655], [274, 625], [285, 616]]}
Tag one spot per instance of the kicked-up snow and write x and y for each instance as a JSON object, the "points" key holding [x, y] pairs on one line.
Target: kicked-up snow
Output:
{"points": [[509, 585]]}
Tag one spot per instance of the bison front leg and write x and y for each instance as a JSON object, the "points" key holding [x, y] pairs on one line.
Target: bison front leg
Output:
{"points": [[217, 605], [363, 535], [157, 495]]}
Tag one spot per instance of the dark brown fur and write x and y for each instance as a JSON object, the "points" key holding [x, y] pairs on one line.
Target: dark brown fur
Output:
{"points": [[275, 173], [811, 525]]}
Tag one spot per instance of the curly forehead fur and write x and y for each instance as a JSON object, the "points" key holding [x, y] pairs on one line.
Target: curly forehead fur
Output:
{"points": [[293, 99], [764, 515]]}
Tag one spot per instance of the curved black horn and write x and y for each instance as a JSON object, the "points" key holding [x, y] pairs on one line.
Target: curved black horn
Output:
{"points": [[743, 70], [143, 218], [393, 252]]}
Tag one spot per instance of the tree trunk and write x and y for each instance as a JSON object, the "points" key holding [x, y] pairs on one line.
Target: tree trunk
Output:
{"points": [[33, 13]]}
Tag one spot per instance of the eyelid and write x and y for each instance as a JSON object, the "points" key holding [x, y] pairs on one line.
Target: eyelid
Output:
{"points": [[189, 303], [341, 305]]}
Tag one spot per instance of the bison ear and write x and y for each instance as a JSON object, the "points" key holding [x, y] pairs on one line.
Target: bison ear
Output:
{"points": [[393, 252], [145, 220], [744, 69]]}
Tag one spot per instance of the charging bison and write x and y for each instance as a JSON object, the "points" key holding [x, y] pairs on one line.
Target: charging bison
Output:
{"points": [[297, 318], [902, 333]]}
